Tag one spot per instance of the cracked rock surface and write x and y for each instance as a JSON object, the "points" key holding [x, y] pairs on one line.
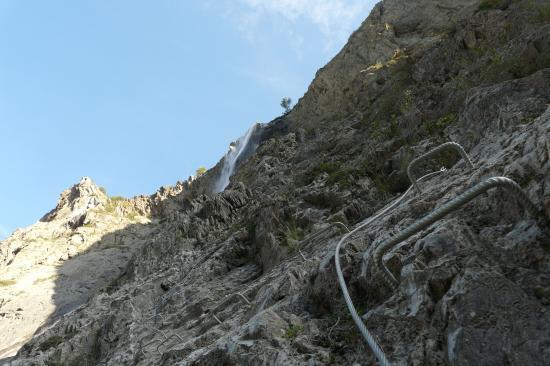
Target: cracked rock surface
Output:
{"points": [[247, 276]]}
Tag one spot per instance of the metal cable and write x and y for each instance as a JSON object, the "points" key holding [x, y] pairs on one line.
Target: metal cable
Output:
{"points": [[433, 152], [237, 294], [166, 340], [496, 182], [375, 347], [143, 347]]}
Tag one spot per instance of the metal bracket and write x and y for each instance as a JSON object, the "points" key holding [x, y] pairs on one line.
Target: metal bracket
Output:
{"points": [[433, 152]]}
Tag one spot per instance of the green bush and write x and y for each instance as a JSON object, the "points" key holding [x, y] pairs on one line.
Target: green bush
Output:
{"points": [[200, 171], [251, 229], [491, 4], [294, 233], [312, 173], [293, 331], [53, 341], [110, 207], [373, 171], [543, 13], [381, 184], [286, 104], [436, 127], [328, 168], [336, 174]]}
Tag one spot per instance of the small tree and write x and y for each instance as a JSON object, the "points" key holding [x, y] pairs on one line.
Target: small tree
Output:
{"points": [[286, 103], [200, 171]]}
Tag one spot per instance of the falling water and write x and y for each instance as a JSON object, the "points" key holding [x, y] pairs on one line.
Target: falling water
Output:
{"points": [[236, 150]]}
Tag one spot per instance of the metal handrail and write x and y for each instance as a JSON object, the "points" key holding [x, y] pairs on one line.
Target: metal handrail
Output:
{"points": [[238, 294], [431, 153], [452, 205], [156, 330], [242, 296], [307, 239], [164, 299], [141, 349], [375, 347], [166, 340]]}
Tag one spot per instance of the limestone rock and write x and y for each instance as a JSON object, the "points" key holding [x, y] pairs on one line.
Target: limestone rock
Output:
{"points": [[247, 276]]}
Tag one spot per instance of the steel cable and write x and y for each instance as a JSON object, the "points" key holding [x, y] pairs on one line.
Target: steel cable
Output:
{"points": [[433, 152], [452, 205], [375, 347]]}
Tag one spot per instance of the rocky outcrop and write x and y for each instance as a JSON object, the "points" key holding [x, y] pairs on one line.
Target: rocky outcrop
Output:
{"points": [[76, 201], [247, 276], [54, 266]]}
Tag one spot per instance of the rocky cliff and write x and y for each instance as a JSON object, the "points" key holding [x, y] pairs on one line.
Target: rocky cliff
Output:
{"points": [[247, 276]]}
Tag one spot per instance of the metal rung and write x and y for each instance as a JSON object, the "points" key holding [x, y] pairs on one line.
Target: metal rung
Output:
{"points": [[145, 345], [166, 340], [238, 294]]}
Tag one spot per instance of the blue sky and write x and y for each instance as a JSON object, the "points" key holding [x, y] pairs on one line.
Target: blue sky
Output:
{"points": [[138, 94]]}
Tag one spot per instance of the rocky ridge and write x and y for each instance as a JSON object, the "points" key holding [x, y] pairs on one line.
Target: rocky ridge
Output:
{"points": [[57, 264], [243, 278]]}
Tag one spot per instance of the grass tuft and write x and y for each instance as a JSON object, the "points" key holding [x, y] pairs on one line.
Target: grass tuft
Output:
{"points": [[543, 13], [5, 283], [293, 331], [44, 279]]}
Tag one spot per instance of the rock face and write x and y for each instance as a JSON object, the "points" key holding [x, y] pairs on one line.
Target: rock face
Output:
{"points": [[56, 265], [247, 276]]}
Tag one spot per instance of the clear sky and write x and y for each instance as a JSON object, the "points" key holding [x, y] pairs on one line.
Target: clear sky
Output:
{"points": [[139, 94]]}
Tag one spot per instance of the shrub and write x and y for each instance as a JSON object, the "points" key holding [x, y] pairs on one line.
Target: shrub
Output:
{"points": [[342, 177], [381, 184], [543, 13], [5, 283], [437, 127], [407, 100], [286, 103], [251, 229], [293, 331], [491, 4], [44, 279], [328, 168], [110, 208], [200, 171], [337, 174], [53, 341], [294, 233]]}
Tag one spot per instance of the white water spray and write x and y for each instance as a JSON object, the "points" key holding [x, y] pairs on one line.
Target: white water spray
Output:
{"points": [[230, 159]]}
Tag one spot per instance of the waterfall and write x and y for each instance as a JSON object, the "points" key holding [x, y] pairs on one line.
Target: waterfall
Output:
{"points": [[237, 150]]}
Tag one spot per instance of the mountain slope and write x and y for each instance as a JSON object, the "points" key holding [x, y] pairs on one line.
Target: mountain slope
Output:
{"points": [[57, 264], [246, 277]]}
